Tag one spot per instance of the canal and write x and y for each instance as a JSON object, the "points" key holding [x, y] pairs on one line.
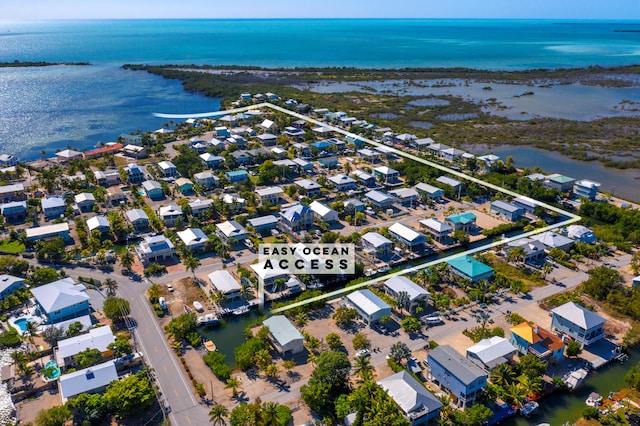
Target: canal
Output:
{"points": [[558, 409]]}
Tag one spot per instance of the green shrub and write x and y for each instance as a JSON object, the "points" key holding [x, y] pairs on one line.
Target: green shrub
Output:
{"points": [[10, 339], [215, 361]]}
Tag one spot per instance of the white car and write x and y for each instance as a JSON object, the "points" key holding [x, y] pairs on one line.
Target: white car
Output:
{"points": [[170, 288], [363, 353]]}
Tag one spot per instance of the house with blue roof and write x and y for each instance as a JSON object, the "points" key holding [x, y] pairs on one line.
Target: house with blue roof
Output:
{"points": [[322, 145], [285, 336], [469, 268], [297, 217], [61, 300], [135, 175], [53, 207], [465, 221], [237, 175], [328, 162], [154, 249]]}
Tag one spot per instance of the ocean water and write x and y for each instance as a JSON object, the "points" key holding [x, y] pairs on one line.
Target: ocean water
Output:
{"points": [[53, 107]]}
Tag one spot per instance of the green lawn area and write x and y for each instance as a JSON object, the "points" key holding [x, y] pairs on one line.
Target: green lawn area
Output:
{"points": [[502, 266], [11, 247]]}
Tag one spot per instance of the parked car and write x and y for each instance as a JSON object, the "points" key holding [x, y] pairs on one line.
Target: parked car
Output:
{"points": [[363, 352], [170, 288]]}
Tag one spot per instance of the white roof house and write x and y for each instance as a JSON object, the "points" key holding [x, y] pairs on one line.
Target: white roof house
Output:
{"points": [[375, 240], [101, 223], [97, 338], [581, 233], [137, 215], [193, 238], [407, 235], [401, 284], [323, 211], [46, 231], [84, 197], [87, 380], [267, 276], [417, 403], [286, 337], [370, 307], [223, 282], [552, 240], [231, 230], [436, 227], [380, 199], [577, 322], [489, 353], [8, 283], [446, 180], [61, 298]]}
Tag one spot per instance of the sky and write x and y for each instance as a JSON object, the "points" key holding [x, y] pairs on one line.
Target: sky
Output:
{"points": [[139, 9]]}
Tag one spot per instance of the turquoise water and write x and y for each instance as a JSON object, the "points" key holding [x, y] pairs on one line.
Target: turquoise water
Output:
{"points": [[56, 372], [22, 323]]}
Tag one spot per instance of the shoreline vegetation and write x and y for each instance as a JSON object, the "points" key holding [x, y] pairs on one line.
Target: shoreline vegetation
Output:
{"points": [[613, 141], [27, 64]]}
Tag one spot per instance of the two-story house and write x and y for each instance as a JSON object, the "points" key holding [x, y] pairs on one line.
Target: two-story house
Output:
{"points": [[416, 402], [416, 295], [532, 339], [297, 217], [580, 324], [61, 300], [154, 249], [53, 207]]}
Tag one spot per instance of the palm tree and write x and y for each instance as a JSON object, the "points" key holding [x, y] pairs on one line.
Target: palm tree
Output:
{"points": [[516, 254], [312, 358], [362, 368], [262, 358], [218, 415], [271, 371], [31, 330], [301, 319], [530, 386], [154, 292], [233, 383], [191, 263], [111, 286], [502, 374], [126, 260], [515, 394]]}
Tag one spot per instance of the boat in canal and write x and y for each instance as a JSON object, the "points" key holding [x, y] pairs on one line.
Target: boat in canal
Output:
{"points": [[528, 408], [574, 379], [241, 311], [207, 319], [594, 400], [210, 346]]}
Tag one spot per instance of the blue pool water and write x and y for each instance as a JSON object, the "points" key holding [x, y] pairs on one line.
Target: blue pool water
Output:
{"points": [[22, 323], [56, 372]]}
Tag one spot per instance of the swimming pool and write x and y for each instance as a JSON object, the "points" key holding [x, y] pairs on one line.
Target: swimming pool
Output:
{"points": [[22, 323], [55, 370]]}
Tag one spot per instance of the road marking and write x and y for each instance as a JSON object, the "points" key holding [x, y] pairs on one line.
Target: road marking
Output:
{"points": [[165, 369], [176, 392], [155, 348], [147, 330], [188, 419]]}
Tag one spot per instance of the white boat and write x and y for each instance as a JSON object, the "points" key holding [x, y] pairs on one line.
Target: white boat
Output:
{"points": [[198, 306], [529, 408], [574, 379], [240, 311], [594, 399], [207, 319]]}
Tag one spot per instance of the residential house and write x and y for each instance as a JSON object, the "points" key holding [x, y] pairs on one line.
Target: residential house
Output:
{"points": [[461, 378], [369, 155], [581, 233], [303, 150], [323, 212], [207, 180], [267, 139], [469, 268], [406, 196], [61, 300], [263, 224], [153, 189], [94, 379], [224, 283], [416, 402], [451, 154], [66, 155], [343, 182], [211, 161], [437, 229], [116, 196], [429, 192], [487, 162], [135, 175], [370, 307], [135, 152], [404, 138], [552, 240], [308, 187], [376, 244], [267, 277], [53, 207], [526, 203], [271, 195], [169, 214], [222, 131], [138, 219], [241, 157], [9, 284], [586, 189], [408, 236], [49, 231], [199, 207], [421, 144], [126, 139], [533, 250], [418, 296], [237, 175], [302, 166], [184, 185], [231, 232], [285, 337], [489, 353], [297, 217], [532, 339], [559, 182], [635, 282], [465, 221], [194, 239], [507, 211], [107, 178], [379, 199], [167, 169], [8, 160], [97, 338], [154, 249], [580, 324], [364, 178], [451, 182], [328, 162], [99, 223], [85, 201], [13, 192], [14, 211], [234, 203], [387, 174], [110, 148], [352, 206], [435, 148]]}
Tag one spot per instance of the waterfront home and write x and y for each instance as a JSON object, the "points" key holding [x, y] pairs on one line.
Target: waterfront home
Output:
{"points": [[533, 250], [416, 402], [207, 180], [489, 353], [302, 165], [263, 224], [635, 282], [417, 295], [459, 377], [224, 283], [380, 199], [48, 231], [8, 160], [85, 201], [406, 196], [581, 233], [184, 185], [222, 131], [586, 189], [94, 379], [116, 196], [308, 187], [323, 212], [536, 177], [328, 162], [53, 207], [97, 338], [525, 203], [285, 337], [198, 207], [237, 175], [343, 182], [135, 175], [487, 162], [211, 161], [469, 268], [231, 232], [107, 178], [532, 339], [368, 155], [387, 175], [9, 284], [364, 178], [580, 324], [267, 277], [297, 217], [194, 239], [66, 155], [429, 192], [421, 144], [14, 211], [451, 154], [408, 236], [465, 221], [154, 249], [404, 138], [138, 219], [435, 148], [13, 192], [559, 182], [99, 223], [370, 307], [169, 214], [61, 300], [376, 244], [506, 211], [109, 148], [126, 139], [437, 229], [167, 169], [270, 195], [552, 240], [153, 189], [135, 152], [451, 182]]}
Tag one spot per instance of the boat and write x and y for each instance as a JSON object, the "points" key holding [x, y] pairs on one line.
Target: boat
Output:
{"points": [[198, 306], [529, 408], [210, 346], [207, 319], [594, 399], [240, 311], [574, 379]]}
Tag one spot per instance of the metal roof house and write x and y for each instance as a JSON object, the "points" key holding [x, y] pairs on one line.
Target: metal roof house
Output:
{"points": [[138, 218], [388, 174], [323, 212], [268, 276], [8, 284], [343, 182], [153, 189], [310, 187], [263, 224], [454, 183], [437, 229], [284, 336], [167, 168], [581, 233], [231, 231], [194, 239], [552, 240], [297, 217], [97, 338], [61, 300], [370, 307], [53, 207], [377, 244], [506, 210], [380, 199], [48, 231], [407, 236], [559, 182], [169, 214], [455, 373], [469, 268], [417, 295], [489, 353], [271, 195], [585, 188], [224, 283], [90, 380], [101, 223], [14, 210], [429, 191], [579, 323], [85, 201], [465, 221], [407, 196], [154, 249], [416, 402], [533, 249]]}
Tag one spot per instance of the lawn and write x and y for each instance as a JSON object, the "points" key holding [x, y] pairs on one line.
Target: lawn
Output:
{"points": [[11, 247], [502, 266]]}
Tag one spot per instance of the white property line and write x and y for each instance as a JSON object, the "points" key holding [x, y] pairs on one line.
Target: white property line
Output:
{"points": [[572, 218]]}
